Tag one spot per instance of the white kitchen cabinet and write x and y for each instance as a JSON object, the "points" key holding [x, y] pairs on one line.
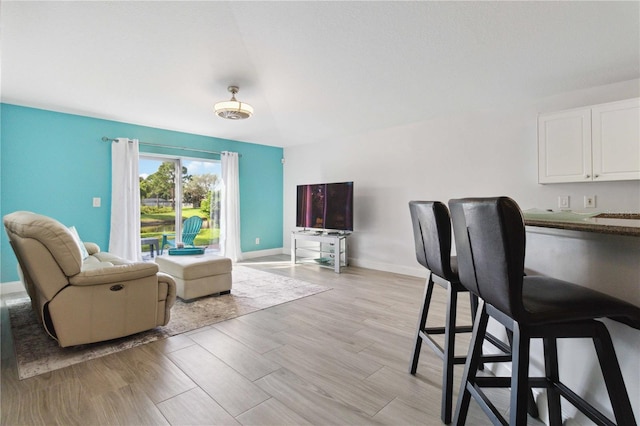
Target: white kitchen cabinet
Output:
{"points": [[564, 146], [594, 143], [615, 135]]}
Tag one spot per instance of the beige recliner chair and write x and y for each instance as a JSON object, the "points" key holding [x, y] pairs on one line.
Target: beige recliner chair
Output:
{"points": [[88, 300]]}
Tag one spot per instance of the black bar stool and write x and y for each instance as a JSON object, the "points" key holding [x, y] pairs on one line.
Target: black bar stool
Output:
{"points": [[432, 235], [490, 244]]}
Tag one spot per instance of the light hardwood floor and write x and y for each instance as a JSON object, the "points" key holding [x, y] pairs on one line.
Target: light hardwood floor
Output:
{"points": [[339, 357]]}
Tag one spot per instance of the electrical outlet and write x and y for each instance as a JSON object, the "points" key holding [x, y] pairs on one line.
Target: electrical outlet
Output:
{"points": [[257, 241], [563, 201], [589, 201]]}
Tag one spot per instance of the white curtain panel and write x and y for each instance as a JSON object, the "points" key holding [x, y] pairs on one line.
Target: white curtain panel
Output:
{"points": [[230, 207], [124, 239]]}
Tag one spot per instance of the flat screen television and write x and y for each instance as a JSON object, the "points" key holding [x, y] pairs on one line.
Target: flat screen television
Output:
{"points": [[325, 206]]}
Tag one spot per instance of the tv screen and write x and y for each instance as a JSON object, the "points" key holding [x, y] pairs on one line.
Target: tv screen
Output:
{"points": [[325, 206]]}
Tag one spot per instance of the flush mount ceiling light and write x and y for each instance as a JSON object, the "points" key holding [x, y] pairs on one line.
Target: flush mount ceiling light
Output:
{"points": [[233, 109]]}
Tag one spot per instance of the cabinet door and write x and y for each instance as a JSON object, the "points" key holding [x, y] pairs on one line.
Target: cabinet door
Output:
{"points": [[564, 146], [616, 140]]}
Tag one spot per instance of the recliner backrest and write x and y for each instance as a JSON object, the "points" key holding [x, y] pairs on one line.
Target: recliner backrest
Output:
{"points": [[432, 236], [490, 245], [46, 250]]}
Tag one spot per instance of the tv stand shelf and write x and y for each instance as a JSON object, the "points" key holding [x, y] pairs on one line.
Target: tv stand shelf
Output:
{"points": [[323, 249]]}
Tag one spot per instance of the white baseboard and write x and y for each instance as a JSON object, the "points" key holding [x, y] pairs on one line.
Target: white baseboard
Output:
{"points": [[11, 287], [389, 267], [261, 253], [417, 271]]}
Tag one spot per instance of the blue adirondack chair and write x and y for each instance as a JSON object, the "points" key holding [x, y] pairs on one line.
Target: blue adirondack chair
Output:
{"points": [[190, 229]]}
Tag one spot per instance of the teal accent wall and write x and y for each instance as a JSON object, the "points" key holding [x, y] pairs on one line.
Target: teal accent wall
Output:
{"points": [[55, 164]]}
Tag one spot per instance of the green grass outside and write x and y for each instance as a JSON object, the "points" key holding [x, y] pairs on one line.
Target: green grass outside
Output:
{"points": [[205, 237], [170, 216]]}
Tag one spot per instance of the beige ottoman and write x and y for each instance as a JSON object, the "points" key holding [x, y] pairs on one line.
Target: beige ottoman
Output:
{"points": [[199, 275]]}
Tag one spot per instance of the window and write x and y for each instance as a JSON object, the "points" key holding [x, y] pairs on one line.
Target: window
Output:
{"points": [[174, 189]]}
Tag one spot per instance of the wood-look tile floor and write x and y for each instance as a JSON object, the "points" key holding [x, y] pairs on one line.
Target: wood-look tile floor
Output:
{"points": [[335, 358]]}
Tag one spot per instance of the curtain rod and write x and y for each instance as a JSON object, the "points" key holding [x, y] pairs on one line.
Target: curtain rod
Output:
{"points": [[106, 139]]}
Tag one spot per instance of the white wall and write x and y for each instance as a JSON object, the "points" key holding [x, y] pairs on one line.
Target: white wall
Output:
{"points": [[478, 153]]}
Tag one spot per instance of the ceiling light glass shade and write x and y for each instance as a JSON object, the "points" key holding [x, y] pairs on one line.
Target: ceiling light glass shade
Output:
{"points": [[233, 109]]}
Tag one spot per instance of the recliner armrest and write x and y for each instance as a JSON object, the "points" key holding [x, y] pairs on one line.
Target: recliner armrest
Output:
{"points": [[92, 248], [114, 274]]}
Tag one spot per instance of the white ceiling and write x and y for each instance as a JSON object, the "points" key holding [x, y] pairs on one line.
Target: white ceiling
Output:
{"points": [[313, 71]]}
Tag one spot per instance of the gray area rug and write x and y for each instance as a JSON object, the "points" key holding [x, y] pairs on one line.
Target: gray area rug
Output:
{"points": [[252, 290]]}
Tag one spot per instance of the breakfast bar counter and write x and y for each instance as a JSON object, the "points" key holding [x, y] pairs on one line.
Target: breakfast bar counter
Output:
{"points": [[602, 252], [604, 223]]}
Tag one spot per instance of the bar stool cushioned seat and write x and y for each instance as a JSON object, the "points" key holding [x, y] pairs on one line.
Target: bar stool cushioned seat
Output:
{"points": [[199, 275], [490, 244]]}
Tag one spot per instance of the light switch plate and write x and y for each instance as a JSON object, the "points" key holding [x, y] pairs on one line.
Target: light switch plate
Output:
{"points": [[96, 201], [563, 201]]}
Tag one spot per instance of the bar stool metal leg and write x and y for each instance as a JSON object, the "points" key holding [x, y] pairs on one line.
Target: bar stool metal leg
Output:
{"points": [[447, 352], [551, 371], [449, 355], [424, 311], [519, 377], [613, 380], [471, 366]]}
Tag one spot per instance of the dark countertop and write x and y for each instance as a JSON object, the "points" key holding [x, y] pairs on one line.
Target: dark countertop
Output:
{"points": [[604, 223]]}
